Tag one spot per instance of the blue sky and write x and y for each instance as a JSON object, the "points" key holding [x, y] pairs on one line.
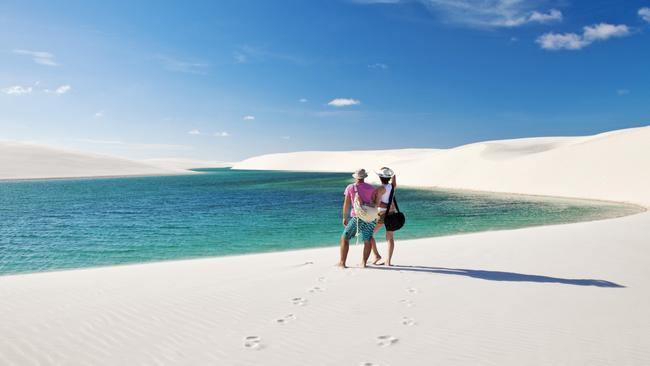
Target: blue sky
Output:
{"points": [[226, 80]]}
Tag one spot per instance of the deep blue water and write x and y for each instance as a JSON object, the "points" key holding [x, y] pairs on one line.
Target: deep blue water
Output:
{"points": [[72, 223]]}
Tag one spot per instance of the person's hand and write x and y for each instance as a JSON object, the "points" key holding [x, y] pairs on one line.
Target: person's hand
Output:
{"points": [[345, 222]]}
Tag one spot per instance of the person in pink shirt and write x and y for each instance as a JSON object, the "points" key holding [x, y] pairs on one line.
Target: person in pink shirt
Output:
{"points": [[365, 229]]}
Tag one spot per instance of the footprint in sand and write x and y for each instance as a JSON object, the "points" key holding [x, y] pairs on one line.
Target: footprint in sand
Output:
{"points": [[253, 342], [308, 262], [316, 289], [322, 279], [412, 290], [386, 340], [408, 321], [407, 303], [369, 364], [285, 319], [299, 301]]}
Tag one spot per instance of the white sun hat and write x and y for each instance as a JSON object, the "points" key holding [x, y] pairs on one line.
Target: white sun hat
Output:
{"points": [[359, 174], [385, 172]]}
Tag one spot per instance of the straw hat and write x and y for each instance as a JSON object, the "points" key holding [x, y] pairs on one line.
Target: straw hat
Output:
{"points": [[359, 174], [385, 172]]}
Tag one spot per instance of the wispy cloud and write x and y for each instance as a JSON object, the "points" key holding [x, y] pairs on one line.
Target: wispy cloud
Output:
{"points": [[485, 13], [303, 100], [99, 114], [644, 13], [17, 90], [378, 66], [377, 1], [248, 118], [144, 146], [590, 34], [194, 132], [40, 57], [623, 92], [285, 137], [184, 66], [222, 134], [343, 102], [248, 54], [60, 90]]}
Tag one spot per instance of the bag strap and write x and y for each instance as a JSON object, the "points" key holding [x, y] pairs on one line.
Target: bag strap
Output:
{"points": [[390, 200]]}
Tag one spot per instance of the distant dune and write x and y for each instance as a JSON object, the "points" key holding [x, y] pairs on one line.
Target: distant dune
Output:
{"points": [[182, 163], [609, 166], [19, 160]]}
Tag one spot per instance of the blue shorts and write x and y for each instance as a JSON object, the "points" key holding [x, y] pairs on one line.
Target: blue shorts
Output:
{"points": [[366, 229]]}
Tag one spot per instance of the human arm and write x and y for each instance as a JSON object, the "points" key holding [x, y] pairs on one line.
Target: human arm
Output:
{"points": [[377, 195], [393, 181], [346, 209]]}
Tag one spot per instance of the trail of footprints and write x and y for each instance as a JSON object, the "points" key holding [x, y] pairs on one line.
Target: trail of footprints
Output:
{"points": [[254, 342]]}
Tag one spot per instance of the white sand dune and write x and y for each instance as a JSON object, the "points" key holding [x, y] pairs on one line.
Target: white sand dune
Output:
{"points": [[576, 294], [182, 163], [608, 166], [19, 160]]}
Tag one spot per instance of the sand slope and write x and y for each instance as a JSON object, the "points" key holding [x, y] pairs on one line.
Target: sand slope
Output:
{"points": [[562, 295], [611, 166], [20, 160]]}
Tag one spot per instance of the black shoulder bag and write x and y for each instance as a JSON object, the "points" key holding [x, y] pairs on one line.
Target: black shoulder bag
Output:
{"points": [[393, 220]]}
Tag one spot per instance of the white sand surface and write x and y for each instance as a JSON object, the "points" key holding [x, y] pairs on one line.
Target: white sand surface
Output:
{"points": [[576, 294], [20, 160], [608, 166]]}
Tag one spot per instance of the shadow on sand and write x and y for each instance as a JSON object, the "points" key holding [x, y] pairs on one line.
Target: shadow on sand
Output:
{"points": [[500, 276]]}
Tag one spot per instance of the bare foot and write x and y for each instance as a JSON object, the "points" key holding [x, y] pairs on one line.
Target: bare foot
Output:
{"points": [[376, 261], [364, 265], [388, 264], [342, 265]]}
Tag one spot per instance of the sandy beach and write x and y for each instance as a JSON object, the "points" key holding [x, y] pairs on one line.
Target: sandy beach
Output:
{"points": [[576, 294]]}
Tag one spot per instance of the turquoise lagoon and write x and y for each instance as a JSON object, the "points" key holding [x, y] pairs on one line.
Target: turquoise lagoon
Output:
{"points": [[74, 223]]}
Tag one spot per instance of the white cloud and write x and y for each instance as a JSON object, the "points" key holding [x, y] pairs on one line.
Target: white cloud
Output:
{"points": [[590, 34], [285, 137], [556, 41], [622, 92], [248, 118], [303, 100], [343, 102], [222, 134], [40, 57], [644, 13], [17, 90], [378, 66], [188, 67], [62, 89], [194, 132], [553, 15], [99, 114], [604, 31], [484, 13]]}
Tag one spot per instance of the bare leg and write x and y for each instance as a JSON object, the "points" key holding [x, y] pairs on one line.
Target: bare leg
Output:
{"points": [[345, 248], [367, 248], [375, 252], [390, 238]]}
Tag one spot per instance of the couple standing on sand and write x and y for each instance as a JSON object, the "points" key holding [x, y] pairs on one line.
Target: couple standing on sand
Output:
{"points": [[370, 196]]}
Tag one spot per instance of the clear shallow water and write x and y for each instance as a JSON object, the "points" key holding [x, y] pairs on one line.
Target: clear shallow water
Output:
{"points": [[57, 224]]}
